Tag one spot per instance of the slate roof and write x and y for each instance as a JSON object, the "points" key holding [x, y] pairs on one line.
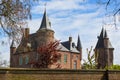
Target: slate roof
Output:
{"points": [[100, 43], [79, 45], [62, 48], [45, 24], [70, 47]]}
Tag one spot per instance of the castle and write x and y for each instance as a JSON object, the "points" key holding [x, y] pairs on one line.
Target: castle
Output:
{"points": [[27, 49], [71, 54]]}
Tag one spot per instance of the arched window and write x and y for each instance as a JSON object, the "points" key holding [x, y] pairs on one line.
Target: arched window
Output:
{"points": [[20, 60], [26, 60]]}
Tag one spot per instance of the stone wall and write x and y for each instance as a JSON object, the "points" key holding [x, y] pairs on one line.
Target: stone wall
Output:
{"points": [[52, 74]]}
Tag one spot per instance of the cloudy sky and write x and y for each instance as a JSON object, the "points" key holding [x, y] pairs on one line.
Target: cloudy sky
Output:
{"points": [[70, 18]]}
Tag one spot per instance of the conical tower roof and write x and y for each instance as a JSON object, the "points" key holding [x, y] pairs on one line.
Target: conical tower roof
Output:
{"points": [[79, 45], [103, 35], [45, 24]]}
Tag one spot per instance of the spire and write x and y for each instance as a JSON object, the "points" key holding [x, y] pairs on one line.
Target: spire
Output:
{"points": [[12, 44], [105, 35], [45, 24], [102, 33], [79, 46], [102, 37]]}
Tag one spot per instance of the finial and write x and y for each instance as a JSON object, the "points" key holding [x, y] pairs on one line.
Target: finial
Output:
{"points": [[45, 5]]}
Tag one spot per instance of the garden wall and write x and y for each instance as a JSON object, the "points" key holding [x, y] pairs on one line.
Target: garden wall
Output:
{"points": [[53, 74]]}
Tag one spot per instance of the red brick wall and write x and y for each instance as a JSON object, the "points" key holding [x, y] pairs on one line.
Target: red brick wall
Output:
{"points": [[70, 61], [32, 56], [52, 74]]}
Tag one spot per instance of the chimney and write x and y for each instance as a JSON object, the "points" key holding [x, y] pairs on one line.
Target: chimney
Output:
{"points": [[12, 48], [12, 52], [26, 33], [70, 39]]}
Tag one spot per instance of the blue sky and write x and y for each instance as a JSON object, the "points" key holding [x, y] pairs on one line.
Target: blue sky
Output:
{"points": [[70, 18]]}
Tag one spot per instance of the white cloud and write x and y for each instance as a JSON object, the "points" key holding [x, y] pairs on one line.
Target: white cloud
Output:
{"points": [[62, 5]]}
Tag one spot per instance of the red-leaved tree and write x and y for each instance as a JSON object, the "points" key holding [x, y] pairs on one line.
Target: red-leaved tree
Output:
{"points": [[47, 55]]}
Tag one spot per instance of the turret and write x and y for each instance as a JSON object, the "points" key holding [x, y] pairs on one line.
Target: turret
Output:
{"points": [[12, 52], [104, 50], [26, 33], [106, 40], [12, 48], [45, 34], [79, 47]]}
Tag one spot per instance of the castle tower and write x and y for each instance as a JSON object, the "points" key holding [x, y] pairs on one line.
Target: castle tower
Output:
{"points": [[103, 51], [79, 47], [12, 51], [45, 34]]}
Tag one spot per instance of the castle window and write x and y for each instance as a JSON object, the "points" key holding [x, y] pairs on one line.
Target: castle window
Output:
{"points": [[65, 58], [75, 65], [26, 60], [59, 60], [77, 57], [37, 56], [20, 60]]}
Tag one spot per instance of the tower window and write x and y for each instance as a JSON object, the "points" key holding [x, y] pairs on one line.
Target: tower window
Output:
{"points": [[26, 60], [20, 60], [65, 58], [77, 57]]}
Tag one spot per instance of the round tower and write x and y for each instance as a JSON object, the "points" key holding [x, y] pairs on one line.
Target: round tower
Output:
{"points": [[45, 34]]}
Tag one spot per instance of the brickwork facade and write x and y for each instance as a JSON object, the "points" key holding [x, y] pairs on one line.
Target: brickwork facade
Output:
{"points": [[26, 52]]}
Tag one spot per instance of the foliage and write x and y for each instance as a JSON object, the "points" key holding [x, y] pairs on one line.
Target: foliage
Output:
{"points": [[90, 62], [114, 67], [48, 55], [13, 14]]}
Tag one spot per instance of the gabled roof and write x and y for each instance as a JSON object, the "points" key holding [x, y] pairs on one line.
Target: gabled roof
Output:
{"points": [[62, 48], [67, 45], [45, 24], [100, 43]]}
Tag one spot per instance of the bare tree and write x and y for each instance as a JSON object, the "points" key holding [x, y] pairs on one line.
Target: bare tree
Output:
{"points": [[112, 8], [3, 63], [13, 14], [90, 62]]}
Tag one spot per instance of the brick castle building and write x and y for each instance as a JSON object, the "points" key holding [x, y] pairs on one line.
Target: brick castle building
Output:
{"points": [[71, 54], [27, 49]]}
